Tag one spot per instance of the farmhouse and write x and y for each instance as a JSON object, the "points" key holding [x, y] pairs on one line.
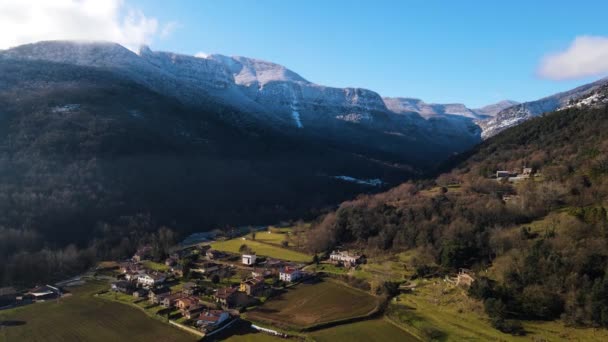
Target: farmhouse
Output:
{"points": [[171, 300], [186, 302], [45, 292], [249, 259], [345, 257], [156, 296], [252, 286], [192, 311], [151, 279], [130, 266], [132, 275], [290, 274], [211, 319], [225, 296]]}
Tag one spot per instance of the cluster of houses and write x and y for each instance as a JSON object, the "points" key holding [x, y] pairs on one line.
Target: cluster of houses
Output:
{"points": [[286, 271], [208, 306], [135, 275]]}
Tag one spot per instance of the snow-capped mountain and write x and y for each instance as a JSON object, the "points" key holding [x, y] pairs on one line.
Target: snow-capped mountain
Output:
{"points": [[598, 97], [517, 114], [493, 109], [428, 110], [261, 91]]}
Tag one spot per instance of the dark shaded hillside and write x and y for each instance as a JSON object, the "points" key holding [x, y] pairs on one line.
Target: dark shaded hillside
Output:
{"points": [[543, 239], [83, 147], [79, 142]]}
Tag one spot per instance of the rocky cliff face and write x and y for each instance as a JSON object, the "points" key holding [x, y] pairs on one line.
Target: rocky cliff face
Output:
{"points": [[517, 114], [265, 93]]}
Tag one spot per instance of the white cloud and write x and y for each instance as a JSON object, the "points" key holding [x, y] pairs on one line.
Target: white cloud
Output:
{"points": [[201, 55], [168, 29], [27, 21], [586, 56]]}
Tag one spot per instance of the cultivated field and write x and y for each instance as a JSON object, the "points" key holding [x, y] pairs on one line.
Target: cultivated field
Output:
{"points": [[307, 305], [83, 317], [263, 249], [366, 331]]}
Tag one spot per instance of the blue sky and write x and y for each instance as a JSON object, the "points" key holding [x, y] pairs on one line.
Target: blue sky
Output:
{"points": [[474, 52]]}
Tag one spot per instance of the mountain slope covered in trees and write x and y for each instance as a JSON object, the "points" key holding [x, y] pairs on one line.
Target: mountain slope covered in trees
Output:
{"points": [[543, 241], [85, 152]]}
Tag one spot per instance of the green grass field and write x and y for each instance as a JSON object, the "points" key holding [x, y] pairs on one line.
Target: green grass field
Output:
{"points": [[155, 266], [83, 317], [308, 305], [272, 238], [262, 249], [449, 315], [365, 331]]}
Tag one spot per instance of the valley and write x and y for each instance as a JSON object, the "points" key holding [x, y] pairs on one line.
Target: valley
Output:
{"points": [[396, 219]]}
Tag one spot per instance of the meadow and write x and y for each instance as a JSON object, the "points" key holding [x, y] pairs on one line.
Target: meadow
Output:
{"points": [[262, 249], [82, 317], [435, 311], [308, 305]]}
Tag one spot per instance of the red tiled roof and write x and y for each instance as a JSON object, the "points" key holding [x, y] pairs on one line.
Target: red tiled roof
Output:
{"points": [[290, 270], [211, 315], [225, 292]]}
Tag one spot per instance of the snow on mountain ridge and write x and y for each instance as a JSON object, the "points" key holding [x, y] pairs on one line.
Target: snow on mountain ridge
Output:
{"points": [[261, 91], [428, 110], [517, 114]]}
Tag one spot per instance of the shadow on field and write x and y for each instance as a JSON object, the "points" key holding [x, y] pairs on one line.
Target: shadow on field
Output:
{"points": [[12, 323], [238, 329]]}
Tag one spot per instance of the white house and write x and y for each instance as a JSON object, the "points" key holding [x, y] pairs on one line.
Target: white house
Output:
{"points": [[249, 259], [147, 279], [345, 257], [290, 274]]}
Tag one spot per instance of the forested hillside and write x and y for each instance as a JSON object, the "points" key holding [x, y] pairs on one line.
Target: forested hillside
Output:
{"points": [[539, 245], [90, 162]]}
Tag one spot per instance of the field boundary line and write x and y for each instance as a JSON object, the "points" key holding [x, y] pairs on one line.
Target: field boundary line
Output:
{"points": [[186, 328]]}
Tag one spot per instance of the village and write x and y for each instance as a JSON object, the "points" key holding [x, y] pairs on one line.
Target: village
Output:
{"points": [[200, 289]]}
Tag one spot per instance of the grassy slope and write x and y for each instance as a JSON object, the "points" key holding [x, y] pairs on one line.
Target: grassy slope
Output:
{"points": [[262, 249], [271, 238], [365, 331], [307, 305], [82, 317], [455, 317]]}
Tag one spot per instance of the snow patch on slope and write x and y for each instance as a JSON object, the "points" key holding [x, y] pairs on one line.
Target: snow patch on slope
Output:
{"points": [[368, 182]]}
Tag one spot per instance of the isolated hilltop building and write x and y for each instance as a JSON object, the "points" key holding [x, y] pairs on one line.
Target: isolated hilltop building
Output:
{"points": [[249, 259], [346, 257]]}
